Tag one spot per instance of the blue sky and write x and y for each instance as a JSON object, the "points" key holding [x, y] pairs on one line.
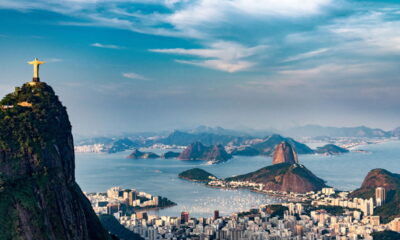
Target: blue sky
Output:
{"points": [[135, 65]]}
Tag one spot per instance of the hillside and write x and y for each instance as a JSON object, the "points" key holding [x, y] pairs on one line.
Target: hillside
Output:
{"points": [[197, 151], [331, 149], [396, 132], [245, 151], [136, 154], [197, 175], [267, 146], [316, 131], [38, 192], [170, 154], [181, 138], [284, 177], [388, 180]]}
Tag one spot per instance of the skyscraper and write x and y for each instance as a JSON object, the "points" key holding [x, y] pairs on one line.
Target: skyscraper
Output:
{"points": [[380, 196], [216, 214], [184, 217]]}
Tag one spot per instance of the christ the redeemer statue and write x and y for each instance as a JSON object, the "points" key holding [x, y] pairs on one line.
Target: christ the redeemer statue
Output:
{"points": [[36, 64]]}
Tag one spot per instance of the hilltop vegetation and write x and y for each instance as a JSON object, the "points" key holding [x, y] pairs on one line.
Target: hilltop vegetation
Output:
{"points": [[388, 180], [197, 175]]}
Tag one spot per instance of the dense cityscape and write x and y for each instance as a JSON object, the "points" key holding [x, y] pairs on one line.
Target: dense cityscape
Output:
{"points": [[325, 214], [200, 120]]}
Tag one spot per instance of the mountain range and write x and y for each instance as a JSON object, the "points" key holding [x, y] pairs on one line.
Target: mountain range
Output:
{"points": [[317, 130]]}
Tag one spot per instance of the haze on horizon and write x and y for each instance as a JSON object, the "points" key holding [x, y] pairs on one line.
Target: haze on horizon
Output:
{"points": [[136, 65]]}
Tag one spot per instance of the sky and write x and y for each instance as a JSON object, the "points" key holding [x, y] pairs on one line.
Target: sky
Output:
{"points": [[150, 65]]}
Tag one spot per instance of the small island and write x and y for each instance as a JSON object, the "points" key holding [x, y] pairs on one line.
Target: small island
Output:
{"points": [[197, 175], [136, 154], [331, 149], [170, 154]]}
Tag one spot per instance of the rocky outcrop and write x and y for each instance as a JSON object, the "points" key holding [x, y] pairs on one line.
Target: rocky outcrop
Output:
{"points": [[331, 149], [391, 183], [197, 151], [136, 154], [284, 177], [284, 153], [170, 154], [38, 192]]}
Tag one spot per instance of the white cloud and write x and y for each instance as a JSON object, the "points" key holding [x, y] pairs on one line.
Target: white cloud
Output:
{"points": [[306, 55], [371, 31], [221, 65], [222, 55], [132, 75], [111, 46], [186, 16]]}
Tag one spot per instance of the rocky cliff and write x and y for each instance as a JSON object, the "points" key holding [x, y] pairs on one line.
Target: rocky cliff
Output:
{"points": [[284, 177], [388, 180], [284, 153], [38, 192], [197, 151]]}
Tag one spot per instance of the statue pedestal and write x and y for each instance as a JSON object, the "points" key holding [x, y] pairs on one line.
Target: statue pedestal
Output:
{"points": [[33, 83]]}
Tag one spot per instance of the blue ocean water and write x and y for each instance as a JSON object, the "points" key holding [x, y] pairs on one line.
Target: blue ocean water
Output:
{"points": [[98, 172]]}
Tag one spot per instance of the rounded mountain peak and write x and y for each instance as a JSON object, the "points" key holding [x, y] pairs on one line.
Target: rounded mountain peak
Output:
{"points": [[284, 153]]}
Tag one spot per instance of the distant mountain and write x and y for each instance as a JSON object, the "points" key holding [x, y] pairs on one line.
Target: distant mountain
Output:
{"points": [[396, 132], [197, 175], [184, 138], [170, 154], [198, 151], [245, 151], [217, 131], [267, 146], [388, 180], [284, 177], [284, 153], [95, 140], [121, 145], [136, 154], [238, 133], [316, 130], [331, 149]]}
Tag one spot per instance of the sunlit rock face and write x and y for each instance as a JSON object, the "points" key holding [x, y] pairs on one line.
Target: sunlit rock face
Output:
{"points": [[284, 153]]}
